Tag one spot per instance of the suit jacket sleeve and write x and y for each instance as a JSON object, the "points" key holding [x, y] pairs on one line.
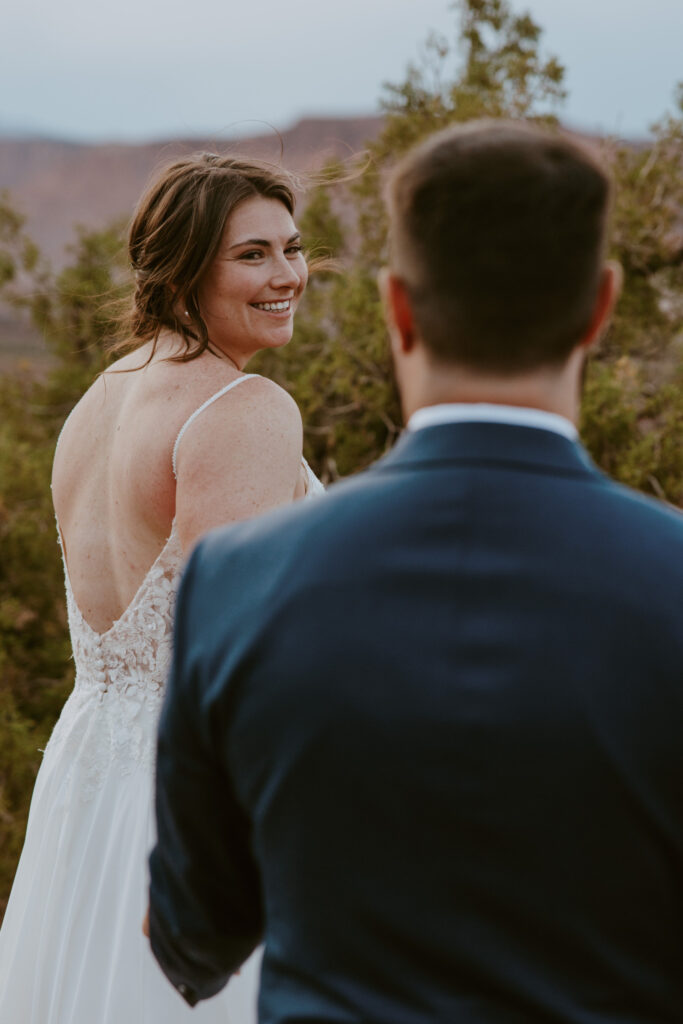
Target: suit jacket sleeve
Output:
{"points": [[205, 897]]}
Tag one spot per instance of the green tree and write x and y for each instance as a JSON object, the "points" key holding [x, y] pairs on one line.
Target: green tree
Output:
{"points": [[632, 418], [494, 68], [634, 402], [76, 311], [34, 651]]}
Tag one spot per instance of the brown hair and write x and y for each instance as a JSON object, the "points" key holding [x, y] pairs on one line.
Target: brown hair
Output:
{"points": [[175, 234], [498, 230]]}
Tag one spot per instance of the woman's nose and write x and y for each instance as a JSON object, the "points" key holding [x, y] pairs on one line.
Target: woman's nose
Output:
{"points": [[285, 274]]}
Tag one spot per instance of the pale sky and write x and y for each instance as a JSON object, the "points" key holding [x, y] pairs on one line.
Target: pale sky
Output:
{"points": [[137, 69]]}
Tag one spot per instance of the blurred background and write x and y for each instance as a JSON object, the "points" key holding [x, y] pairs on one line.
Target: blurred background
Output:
{"points": [[92, 100]]}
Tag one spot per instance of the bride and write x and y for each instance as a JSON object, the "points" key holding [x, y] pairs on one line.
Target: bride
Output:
{"points": [[172, 440]]}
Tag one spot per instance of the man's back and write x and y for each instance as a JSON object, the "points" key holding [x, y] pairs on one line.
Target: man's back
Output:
{"points": [[464, 778]]}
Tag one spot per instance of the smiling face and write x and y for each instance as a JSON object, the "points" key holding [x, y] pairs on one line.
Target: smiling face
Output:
{"points": [[251, 290]]}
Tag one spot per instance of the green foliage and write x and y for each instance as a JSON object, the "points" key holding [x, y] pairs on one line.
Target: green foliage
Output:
{"points": [[17, 252], [76, 312], [631, 420], [18, 766], [338, 366], [633, 410], [35, 671], [634, 428], [494, 69], [647, 239]]}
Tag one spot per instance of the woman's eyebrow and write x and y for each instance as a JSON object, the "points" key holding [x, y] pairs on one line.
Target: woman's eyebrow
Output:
{"points": [[262, 242]]}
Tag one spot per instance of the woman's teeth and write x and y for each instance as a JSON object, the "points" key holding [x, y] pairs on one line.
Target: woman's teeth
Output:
{"points": [[272, 307]]}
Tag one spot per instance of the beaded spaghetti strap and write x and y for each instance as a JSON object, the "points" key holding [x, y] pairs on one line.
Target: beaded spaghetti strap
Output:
{"points": [[205, 405]]}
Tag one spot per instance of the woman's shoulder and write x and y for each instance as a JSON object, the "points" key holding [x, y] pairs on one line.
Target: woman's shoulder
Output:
{"points": [[199, 378], [168, 397], [254, 403], [228, 392], [206, 398]]}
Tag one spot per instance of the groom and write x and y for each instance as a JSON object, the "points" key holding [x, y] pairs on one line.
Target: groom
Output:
{"points": [[424, 737]]}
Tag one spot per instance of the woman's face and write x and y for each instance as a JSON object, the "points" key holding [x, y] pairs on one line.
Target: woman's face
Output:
{"points": [[250, 292]]}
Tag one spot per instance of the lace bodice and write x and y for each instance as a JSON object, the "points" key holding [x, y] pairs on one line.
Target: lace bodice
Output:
{"points": [[120, 675], [112, 712], [133, 655]]}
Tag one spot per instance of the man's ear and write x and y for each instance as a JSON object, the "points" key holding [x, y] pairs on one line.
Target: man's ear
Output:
{"points": [[398, 312], [608, 293]]}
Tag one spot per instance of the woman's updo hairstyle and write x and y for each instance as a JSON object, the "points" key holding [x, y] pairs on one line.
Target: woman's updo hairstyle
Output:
{"points": [[175, 234]]}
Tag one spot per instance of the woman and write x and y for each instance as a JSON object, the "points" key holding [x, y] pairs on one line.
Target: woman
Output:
{"points": [[171, 440]]}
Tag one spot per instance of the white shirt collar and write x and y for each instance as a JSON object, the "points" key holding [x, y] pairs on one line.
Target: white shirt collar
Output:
{"points": [[487, 412]]}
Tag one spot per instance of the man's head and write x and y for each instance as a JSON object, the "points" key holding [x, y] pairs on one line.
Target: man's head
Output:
{"points": [[497, 234]]}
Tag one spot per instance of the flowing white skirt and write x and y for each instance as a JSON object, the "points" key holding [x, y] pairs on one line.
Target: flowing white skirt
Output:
{"points": [[71, 946]]}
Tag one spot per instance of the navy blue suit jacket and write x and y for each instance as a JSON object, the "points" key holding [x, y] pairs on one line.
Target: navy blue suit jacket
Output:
{"points": [[425, 737]]}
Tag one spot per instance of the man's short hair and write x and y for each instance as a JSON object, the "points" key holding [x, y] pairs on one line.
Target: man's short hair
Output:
{"points": [[498, 230]]}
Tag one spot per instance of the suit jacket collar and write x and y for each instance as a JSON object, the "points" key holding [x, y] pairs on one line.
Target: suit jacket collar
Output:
{"points": [[471, 443]]}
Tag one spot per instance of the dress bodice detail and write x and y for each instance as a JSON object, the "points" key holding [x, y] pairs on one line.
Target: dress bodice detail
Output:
{"points": [[111, 714], [135, 651]]}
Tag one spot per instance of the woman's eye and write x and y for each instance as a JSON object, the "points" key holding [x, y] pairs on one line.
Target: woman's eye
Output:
{"points": [[294, 250], [253, 254]]}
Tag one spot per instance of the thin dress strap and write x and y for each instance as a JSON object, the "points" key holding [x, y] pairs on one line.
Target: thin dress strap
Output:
{"points": [[205, 405]]}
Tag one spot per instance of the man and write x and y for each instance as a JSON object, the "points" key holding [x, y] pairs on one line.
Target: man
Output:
{"points": [[425, 735]]}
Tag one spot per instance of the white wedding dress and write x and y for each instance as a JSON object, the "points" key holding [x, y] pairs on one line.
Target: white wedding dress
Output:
{"points": [[71, 946]]}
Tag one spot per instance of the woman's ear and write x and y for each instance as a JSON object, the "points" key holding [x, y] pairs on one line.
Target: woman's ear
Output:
{"points": [[178, 303], [398, 311]]}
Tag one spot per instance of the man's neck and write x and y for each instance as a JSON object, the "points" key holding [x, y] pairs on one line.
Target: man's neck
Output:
{"points": [[555, 390]]}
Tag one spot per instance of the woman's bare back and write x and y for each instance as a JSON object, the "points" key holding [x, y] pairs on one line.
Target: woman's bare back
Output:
{"points": [[114, 489]]}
